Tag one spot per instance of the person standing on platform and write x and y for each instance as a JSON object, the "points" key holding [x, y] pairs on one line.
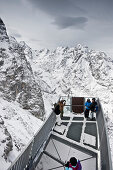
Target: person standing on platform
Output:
{"points": [[93, 108], [58, 109], [87, 105], [62, 104], [73, 164]]}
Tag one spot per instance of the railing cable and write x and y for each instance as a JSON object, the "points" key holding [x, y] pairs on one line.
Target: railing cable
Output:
{"points": [[56, 150], [68, 153], [56, 167]]}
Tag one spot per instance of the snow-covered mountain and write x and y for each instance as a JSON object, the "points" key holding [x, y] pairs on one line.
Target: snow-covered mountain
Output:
{"points": [[29, 77], [21, 101], [78, 71]]}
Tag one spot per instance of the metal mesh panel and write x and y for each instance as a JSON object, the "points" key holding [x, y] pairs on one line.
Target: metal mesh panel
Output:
{"points": [[77, 100], [106, 163], [78, 104], [21, 162], [78, 109], [42, 135]]}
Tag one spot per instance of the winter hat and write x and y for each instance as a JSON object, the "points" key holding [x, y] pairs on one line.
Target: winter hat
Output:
{"points": [[73, 161], [88, 100]]}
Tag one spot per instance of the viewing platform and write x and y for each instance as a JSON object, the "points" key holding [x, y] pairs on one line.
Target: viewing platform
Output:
{"points": [[76, 136]]}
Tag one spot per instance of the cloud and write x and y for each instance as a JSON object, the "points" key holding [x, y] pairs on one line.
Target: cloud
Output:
{"points": [[72, 22], [17, 35], [65, 13], [58, 7], [13, 32], [35, 40]]}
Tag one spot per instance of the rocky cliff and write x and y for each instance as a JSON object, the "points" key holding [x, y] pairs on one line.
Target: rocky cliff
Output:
{"points": [[19, 89], [17, 79]]}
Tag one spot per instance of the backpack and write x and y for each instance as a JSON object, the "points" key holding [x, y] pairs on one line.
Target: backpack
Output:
{"points": [[78, 166], [57, 109]]}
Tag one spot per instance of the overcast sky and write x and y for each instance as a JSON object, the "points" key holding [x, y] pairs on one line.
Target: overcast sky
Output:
{"points": [[53, 23]]}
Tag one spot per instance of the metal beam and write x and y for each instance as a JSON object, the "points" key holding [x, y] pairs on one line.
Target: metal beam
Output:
{"points": [[53, 157]]}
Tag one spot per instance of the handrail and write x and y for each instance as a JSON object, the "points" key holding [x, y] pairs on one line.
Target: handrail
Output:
{"points": [[24, 157], [105, 159]]}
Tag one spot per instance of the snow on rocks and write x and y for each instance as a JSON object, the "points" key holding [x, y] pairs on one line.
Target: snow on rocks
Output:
{"points": [[17, 79], [17, 127]]}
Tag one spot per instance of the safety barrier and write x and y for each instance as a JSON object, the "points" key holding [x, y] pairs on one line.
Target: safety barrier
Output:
{"points": [[106, 163], [30, 152]]}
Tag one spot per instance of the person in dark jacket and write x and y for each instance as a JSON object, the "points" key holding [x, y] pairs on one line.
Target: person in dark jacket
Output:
{"points": [[93, 108], [62, 104], [73, 164], [87, 105], [57, 108]]}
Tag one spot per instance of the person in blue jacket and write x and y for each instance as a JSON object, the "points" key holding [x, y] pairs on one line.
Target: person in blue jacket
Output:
{"points": [[73, 164], [87, 105]]}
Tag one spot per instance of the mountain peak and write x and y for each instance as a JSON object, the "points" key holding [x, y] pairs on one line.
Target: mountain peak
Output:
{"points": [[3, 32], [1, 22]]}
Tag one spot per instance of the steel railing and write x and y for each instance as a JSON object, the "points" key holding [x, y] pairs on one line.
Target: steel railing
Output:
{"points": [[106, 163], [31, 150]]}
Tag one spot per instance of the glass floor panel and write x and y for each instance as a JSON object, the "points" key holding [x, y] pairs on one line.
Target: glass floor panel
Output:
{"points": [[61, 151]]}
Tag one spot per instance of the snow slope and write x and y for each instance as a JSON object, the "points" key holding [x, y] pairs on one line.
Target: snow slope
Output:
{"points": [[17, 126]]}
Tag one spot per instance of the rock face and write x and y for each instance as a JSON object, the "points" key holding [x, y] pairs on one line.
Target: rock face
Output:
{"points": [[17, 79], [3, 33], [73, 67], [6, 139]]}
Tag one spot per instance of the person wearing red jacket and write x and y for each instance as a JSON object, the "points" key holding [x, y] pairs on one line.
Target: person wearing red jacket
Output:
{"points": [[73, 164]]}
